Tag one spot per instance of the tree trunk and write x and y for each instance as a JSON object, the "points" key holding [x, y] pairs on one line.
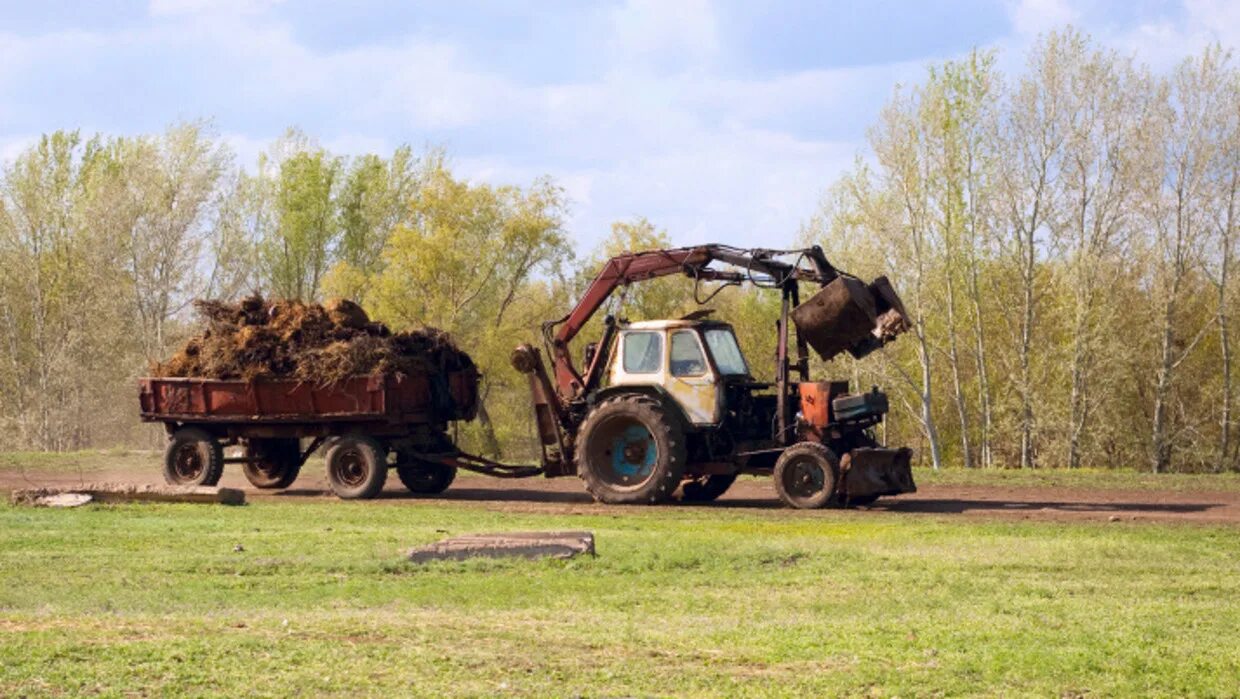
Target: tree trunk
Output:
{"points": [[1225, 235], [490, 443], [1160, 444], [953, 356], [927, 414], [1076, 400], [1026, 348]]}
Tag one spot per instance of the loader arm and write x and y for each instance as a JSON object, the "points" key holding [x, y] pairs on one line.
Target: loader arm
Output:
{"points": [[695, 262]]}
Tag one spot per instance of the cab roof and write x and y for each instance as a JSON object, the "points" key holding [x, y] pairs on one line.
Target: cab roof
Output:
{"points": [[669, 324]]}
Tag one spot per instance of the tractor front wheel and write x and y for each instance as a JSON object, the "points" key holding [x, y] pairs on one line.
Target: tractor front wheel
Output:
{"points": [[805, 476], [630, 450]]}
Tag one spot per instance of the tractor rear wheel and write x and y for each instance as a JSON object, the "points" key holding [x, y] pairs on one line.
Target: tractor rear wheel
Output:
{"points": [[805, 475], [356, 467], [193, 457], [706, 488], [272, 463], [630, 450]]}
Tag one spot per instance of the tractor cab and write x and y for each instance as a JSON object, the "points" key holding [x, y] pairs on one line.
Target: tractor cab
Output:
{"points": [[689, 359]]}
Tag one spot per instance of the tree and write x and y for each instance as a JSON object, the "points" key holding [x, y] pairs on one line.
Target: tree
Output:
{"points": [[1178, 215], [63, 292], [156, 196], [375, 198], [898, 145], [1224, 178], [1105, 103], [293, 210], [462, 264]]}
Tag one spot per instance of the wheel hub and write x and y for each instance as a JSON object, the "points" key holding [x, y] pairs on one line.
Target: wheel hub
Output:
{"points": [[189, 463], [624, 451], [350, 468], [807, 479]]}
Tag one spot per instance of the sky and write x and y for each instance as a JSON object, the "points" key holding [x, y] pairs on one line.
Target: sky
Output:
{"points": [[719, 121]]}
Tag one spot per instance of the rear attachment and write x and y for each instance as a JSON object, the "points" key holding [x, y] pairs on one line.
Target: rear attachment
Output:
{"points": [[870, 473]]}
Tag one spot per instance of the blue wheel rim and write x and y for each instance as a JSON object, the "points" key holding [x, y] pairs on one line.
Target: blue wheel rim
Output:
{"points": [[633, 453]]}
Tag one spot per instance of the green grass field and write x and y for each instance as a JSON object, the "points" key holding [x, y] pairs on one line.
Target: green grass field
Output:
{"points": [[154, 600]]}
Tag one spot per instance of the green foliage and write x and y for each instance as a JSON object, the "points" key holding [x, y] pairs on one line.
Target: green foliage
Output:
{"points": [[56, 342], [473, 260], [296, 253], [1046, 233]]}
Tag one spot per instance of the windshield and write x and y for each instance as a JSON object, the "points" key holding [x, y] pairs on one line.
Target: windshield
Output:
{"points": [[726, 351]]}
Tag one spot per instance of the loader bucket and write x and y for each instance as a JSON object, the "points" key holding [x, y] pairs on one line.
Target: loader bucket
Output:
{"points": [[849, 315], [875, 472]]}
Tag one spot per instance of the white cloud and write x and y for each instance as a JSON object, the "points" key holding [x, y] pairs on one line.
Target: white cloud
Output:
{"points": [[660, 130], [1162, 42], [1033, 17], [169, 8], [13, 146], [657, 33]]}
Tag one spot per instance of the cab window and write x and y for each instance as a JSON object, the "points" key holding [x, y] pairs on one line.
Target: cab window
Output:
{"points": [[642, 352], [687, 358], [726, 352]]}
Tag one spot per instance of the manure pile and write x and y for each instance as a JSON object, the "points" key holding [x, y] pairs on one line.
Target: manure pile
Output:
{"points": [[319, 343]]}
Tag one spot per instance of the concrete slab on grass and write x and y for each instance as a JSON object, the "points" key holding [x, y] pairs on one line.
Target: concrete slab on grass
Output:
{"points": [[507, 545], [127, 492]]}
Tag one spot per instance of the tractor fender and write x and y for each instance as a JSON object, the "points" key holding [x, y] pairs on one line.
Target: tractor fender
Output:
{"points": [[657, 392]]}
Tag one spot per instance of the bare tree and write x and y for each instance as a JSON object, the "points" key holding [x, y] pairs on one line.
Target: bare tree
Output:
{"points": [[906, 172], [1177, 214], [1225, 181], [1033, 138], [158, 196], [1105, 109]]}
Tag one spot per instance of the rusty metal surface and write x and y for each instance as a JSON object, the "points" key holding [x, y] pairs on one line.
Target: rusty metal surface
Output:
{"points": [[816, 401], [390, 398], [838, 316]]}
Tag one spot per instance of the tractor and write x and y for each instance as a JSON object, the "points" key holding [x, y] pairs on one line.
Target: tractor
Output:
{"points": [[662, 407]]}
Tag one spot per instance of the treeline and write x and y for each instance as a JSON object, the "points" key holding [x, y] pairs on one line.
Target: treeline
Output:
{"points": [[105, 243], [1065, 240]]}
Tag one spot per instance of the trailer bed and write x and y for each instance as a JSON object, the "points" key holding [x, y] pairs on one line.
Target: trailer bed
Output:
{"points": [[401, 399]]}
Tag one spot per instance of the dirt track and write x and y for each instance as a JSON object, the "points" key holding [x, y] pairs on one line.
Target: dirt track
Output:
{"points": [[566, 495]]}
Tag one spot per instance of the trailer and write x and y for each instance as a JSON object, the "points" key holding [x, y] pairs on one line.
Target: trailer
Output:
{"points": [[366, 425]]}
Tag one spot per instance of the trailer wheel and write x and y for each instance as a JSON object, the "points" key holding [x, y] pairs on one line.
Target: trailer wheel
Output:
{"points": [[805, 475], [356, 467], [426, 477], [631, 451], [706, 488], [275, 462], [193, 457]]}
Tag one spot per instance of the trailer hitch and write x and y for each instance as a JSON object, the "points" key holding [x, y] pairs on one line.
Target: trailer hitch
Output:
{"points": [[486, 467]]}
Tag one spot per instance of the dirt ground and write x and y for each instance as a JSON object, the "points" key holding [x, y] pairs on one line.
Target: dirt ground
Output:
{"points": [[567, 496]]}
